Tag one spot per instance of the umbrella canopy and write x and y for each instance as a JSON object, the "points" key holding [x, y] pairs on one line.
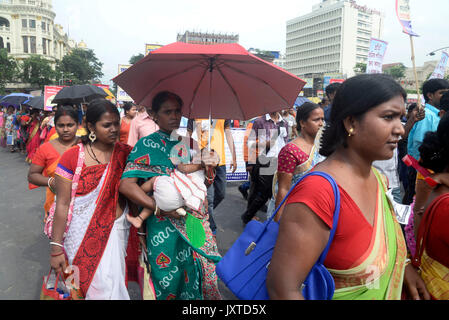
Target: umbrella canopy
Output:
{"points": [[15, 99], [36, 103], [79, 94], [219, 81]]}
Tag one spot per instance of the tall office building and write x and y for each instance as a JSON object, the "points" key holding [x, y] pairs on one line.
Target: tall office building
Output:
{"points": [[207, 38], [331, 39]]}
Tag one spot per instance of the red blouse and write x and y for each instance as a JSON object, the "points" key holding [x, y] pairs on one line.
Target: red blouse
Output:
{"points": [[353, 235], [437, 244], [90, 176]]}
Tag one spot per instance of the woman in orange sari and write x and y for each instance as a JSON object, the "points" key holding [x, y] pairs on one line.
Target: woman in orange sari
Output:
{"points": [[125, 125], [34, 135], [46, 158]]}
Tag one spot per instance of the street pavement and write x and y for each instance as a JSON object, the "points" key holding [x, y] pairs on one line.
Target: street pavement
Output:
{"points": [[24, 249]]}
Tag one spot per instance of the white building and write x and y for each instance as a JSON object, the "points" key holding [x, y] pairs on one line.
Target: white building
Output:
{"points": [[332, 38], [27, 27]]}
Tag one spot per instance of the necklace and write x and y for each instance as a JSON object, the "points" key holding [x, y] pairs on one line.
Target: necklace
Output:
{"points": [[93, 156]]}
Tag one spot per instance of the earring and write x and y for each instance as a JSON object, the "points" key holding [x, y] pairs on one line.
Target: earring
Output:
{"points": [[351, 132], [92, 137]]}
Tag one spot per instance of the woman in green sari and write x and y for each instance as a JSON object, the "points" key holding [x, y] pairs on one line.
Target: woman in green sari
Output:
{"points": [[182, 251], [367, 257]]}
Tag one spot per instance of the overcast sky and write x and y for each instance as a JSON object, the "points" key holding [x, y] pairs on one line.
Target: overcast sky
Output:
{"points": [[118, 29]]}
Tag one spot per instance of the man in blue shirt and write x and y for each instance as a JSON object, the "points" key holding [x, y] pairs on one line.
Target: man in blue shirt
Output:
{"points": [[433, 90], [331, 91]]}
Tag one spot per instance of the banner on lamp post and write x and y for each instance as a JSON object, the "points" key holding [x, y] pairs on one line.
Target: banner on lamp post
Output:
{"points": [[440, 69], [404, 16], [121, 94], [376, 56]]}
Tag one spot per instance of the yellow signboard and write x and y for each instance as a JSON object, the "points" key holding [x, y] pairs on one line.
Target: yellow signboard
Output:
{"points": [[151, 47]]}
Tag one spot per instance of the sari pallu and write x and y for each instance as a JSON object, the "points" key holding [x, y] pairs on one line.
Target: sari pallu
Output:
{"points": [[94, 218], [34, 140], [379, 273], [179, 270]]}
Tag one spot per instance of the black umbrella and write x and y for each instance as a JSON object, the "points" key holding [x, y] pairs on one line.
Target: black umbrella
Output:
{"points": [[36, 103], [79, 94]]}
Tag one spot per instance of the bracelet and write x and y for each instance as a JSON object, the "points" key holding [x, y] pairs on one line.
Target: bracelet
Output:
{"points": [[49, 184], [56, 244], [141, 234], [57, 254]]}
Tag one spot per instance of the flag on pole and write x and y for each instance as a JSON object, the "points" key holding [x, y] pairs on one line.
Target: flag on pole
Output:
{"points": [[440, 69], [404, 16], [376, 56]]}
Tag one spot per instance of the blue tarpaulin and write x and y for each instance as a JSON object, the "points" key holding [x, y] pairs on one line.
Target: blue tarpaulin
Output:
{"points": [[301, 100]]}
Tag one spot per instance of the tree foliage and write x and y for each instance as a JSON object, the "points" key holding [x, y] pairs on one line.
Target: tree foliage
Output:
{"points": [[397, 71], [136, 58], [360, 68], [81, 66], [8, 69], [37, 71]]}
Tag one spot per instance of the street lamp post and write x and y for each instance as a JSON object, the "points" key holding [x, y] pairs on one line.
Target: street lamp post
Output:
{"points": [[433, 52]]}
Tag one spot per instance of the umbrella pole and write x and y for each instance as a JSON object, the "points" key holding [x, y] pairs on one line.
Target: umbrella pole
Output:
{"points": [[211, 68]]}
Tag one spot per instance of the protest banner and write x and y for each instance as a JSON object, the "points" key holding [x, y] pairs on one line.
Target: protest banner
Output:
{"points": [[376, 56], [440, 69], [49, 94], [121, 94], [151, 47]]}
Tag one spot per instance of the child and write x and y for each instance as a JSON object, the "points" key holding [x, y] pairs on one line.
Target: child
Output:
{"points": [[183, 188]]}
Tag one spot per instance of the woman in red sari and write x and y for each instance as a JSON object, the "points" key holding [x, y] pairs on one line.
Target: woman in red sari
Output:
{"points": [[96, 239], [432, 251], [46, 158], [34, 135]]}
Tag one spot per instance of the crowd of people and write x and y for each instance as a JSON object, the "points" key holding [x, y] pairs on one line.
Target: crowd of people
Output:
{"points": [[107, 165]]}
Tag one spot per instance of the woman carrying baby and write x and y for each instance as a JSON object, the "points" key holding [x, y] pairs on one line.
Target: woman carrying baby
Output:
{"points": [[180, 249]]}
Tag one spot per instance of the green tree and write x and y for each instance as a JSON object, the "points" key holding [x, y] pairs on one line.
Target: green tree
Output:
{"points": [[81, 66], [397, 71], [360, 68], [8, 69], [136, 58], [37, 71]]}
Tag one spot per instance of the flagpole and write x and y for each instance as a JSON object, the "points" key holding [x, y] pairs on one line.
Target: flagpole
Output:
{"points": [[415, 73]]}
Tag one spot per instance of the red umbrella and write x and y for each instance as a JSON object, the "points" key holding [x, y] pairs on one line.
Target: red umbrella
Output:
{"points": [[222, 81]]}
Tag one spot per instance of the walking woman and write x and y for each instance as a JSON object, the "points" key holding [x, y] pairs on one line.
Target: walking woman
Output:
{"points": [[34, 135], [10, 127], [46, 158], [367, 258], [298, 157], [130, 113], [97, 236], [432, 253], [181, 268]]}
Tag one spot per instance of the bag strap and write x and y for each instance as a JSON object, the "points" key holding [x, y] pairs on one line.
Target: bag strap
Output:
{"points": [[336, 212], [424, 227]]}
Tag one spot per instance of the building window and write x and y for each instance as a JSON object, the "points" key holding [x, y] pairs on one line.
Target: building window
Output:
{"points": [[1, 43], [24, 23], [44, 46], [44, 26], [25, 44], [33, 24], [33, 44]]}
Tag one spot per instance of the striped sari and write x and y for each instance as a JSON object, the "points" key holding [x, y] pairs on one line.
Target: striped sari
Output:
{"points": [[379, 273]]}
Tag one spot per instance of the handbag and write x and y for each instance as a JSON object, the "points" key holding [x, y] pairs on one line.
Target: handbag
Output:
{"points": [[56, 292], [244, 268], [48, 228], [9, 140], [144, 278]]}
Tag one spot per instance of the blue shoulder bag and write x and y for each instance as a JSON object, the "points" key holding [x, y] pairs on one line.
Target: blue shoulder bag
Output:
{"points": [[244, 267]]}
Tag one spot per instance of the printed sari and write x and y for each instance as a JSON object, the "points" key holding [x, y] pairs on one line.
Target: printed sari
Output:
{"points": [[96, 242], [180, 269], [34, 140], [379, 273]]}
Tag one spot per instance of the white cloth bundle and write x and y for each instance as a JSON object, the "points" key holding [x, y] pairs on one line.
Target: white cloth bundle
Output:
{"points": [[179, 190]]}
